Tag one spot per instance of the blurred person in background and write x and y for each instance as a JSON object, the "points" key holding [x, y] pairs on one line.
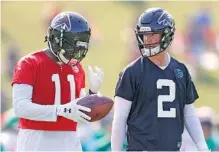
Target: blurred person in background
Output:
{"points": [[200, 42], [99, 136], [9, 131], [47, 85], [12, 52], [8, 139], [215, 135], [206, 116], [3, 101], [9, 120], [13, 55]]}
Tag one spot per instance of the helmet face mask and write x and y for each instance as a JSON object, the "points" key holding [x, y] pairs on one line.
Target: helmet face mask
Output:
{"points": [[69, 44], [159, 26], [75, 47], [149, 42]]}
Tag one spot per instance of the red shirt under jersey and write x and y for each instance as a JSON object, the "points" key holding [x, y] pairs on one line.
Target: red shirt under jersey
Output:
{"points": [[52, 84]]}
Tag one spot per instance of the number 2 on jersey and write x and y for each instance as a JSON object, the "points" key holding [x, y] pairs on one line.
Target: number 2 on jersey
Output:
{"points": [[55, 78], [166, 98]]}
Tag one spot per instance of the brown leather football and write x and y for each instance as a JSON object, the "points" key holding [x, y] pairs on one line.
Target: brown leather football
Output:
{"points": [[100, 106]]}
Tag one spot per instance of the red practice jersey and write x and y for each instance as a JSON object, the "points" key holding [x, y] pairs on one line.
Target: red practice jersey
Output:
{"points": [[53, 84]]}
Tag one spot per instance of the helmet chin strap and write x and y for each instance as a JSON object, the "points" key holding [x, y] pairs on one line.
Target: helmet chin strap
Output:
{"points": [[50, 48], [62, 58], [60, 55]]}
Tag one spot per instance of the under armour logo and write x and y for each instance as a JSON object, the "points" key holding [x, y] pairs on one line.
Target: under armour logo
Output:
{"points": [[165, 19], [62, 21], [67, 110]]}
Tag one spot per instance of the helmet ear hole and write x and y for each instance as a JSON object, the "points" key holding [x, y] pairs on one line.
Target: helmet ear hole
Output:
{"points": [[165, 45], [167, 30], [167, 37]]}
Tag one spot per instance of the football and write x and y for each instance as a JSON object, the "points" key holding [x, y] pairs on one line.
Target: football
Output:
{"points": [[100, 106]]}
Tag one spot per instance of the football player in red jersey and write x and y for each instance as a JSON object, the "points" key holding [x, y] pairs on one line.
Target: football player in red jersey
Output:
{"points": [[47, 85]]}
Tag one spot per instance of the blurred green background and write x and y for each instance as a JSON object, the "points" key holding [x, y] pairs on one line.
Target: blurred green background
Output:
{"points": [[23, 23]]}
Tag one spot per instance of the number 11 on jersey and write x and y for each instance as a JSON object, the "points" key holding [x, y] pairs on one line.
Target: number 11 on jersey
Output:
{"points": [[70, 78]]}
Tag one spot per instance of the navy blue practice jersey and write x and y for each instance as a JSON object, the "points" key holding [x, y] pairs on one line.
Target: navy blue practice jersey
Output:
{"points": [[156, 118]]}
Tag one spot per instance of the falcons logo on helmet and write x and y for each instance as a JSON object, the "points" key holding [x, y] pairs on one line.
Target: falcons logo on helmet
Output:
{"points": [[62, 21], [165, 19]]}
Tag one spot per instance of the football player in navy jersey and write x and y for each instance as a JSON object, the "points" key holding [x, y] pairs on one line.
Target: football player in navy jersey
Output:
{"points": [[155, 94]]}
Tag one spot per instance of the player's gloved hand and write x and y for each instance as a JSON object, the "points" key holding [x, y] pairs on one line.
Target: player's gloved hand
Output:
{"points": [[73, 111], [95, 78]]}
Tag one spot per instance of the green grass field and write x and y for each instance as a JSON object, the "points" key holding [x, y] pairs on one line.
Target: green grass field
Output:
{"points": [[23, 21]]}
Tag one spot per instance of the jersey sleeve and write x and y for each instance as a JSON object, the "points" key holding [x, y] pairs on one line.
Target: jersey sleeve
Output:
{"points": [[24, 73], [82, 78], [191, 92], [125, 87], [82, 90], [25, 108], [80, 82]]}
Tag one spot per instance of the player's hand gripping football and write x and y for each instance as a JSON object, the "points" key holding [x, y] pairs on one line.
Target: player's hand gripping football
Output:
{"points": [[95, 78], [73, 111]]}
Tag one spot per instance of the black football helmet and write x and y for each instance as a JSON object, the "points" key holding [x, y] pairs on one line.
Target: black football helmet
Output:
{"points": [[68, 37], [155, 21]]}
